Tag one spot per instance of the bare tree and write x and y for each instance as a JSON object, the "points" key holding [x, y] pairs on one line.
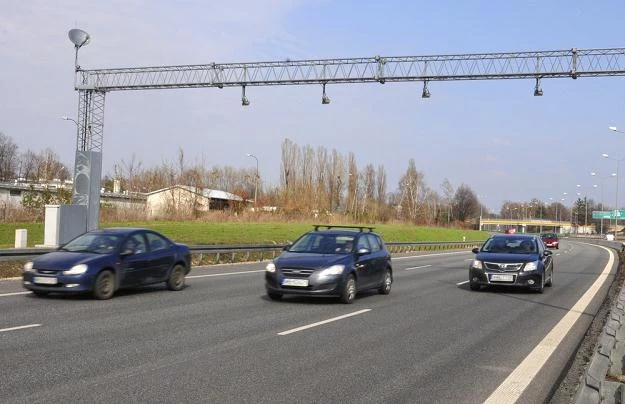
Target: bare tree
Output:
{"points": [[27, 167], [411, 186], [288, 174], [465, 203], [49, 166], [448, 195], [8, 157]]}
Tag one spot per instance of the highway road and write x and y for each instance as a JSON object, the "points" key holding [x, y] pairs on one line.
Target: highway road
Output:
{"points": [[221, 340]]}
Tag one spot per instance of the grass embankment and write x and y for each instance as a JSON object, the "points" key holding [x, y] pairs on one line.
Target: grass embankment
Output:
{"points": [[208, 233], [230, 233]]}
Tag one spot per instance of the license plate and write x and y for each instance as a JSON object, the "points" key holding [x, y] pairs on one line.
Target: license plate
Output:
{"points": [[44, 280], [295, 282], [502, 278]]}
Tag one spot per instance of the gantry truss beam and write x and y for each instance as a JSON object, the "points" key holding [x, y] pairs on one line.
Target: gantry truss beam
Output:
{"points": [[572, 63]]}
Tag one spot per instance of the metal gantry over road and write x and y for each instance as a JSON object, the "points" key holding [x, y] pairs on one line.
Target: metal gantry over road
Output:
{"points": [[93, 84]]}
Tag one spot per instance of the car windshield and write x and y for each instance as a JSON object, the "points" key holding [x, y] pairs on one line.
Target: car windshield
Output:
{"points": [[324, 244], [93, 243], [510, 245], [549, 235]]}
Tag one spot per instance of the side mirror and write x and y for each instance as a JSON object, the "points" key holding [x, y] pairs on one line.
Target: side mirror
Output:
{"points": [[363, 251], [475, 250], [286, 247], [548, 253]]}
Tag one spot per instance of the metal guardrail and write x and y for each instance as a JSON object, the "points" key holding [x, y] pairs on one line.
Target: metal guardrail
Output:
{"points": [[259, 252]]}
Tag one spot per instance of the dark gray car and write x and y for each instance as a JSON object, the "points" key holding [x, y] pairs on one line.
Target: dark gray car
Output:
{"points": [[514, 260]]}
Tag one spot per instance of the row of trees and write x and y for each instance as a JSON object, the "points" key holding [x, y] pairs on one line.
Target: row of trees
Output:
{"points": [[579, 213], [29, 166], [313, 181]]}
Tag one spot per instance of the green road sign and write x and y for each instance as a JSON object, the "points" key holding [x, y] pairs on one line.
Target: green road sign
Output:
{"points": [[608, 214]]}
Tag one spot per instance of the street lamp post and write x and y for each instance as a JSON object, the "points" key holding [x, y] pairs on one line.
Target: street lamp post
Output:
{"points": [[585, 204], [255, 180], [602, 202], [614, 129], [618, 162]]}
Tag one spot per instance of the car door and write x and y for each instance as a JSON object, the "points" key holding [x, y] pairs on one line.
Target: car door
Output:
{"points": [[365, 267], [162, 256], [378, 260], [546, 258], [136, 260]]}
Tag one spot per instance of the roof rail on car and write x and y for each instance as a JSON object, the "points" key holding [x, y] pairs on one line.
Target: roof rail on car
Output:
{"points": [[331, 226]]}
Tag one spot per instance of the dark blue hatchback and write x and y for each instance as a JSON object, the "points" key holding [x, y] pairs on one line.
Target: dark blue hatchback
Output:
{"points": [[337, 261], [103, 261]]}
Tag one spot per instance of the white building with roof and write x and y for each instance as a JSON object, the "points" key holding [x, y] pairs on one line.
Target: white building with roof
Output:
{"points": [[188, 200]]}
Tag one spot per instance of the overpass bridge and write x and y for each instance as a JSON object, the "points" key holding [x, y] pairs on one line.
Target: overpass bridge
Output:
{"points": [[529, 225]]}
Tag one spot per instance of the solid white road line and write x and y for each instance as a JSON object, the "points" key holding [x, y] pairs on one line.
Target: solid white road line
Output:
{"points": [[15, 294], [323, 322], [422, 266], [431, 255], [515, 384], [224, 274], [461, 283], [20, 327]]}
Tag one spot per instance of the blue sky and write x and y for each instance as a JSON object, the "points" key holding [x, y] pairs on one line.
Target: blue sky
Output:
{"points": [[494, 136]]}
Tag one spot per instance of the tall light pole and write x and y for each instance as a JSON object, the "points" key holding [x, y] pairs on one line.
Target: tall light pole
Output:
{"points": [[481, 206], [585, 204], [255, 179], [66, 118], [602, 203], [618, 162]]}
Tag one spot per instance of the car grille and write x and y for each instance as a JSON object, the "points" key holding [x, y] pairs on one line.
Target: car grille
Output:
{"points": [[297, 273], [45, 271], [503, 267]]}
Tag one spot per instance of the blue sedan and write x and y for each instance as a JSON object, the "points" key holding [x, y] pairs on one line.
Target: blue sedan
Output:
{"points": [[103, 261]]}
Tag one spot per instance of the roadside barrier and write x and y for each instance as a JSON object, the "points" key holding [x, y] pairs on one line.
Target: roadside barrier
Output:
{"points": [[215, 254]]}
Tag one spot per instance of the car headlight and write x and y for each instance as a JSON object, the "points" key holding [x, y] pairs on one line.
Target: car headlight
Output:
{"points": [[28, 267], [333, 270], [76, 270], [530, 266], [477, 264], [271, 267]]}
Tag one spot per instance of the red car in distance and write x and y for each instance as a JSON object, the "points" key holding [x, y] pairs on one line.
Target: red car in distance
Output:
{"points": [[551, 240]]}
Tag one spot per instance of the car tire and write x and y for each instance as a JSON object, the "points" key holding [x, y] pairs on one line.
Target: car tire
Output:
{"points": [[385, 288], [550, 281], [274, 296], [40, 293], [104, 285], [176, 278], [349, 290], [541, 288], [474, 286]]}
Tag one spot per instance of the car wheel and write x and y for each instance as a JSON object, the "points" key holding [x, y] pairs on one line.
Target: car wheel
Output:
{"points": [[385, 288], [274, 296], [176, 278], [40, 293], [349, 290], [474, 286], [104, 285], [541, 288], [550, 281]]}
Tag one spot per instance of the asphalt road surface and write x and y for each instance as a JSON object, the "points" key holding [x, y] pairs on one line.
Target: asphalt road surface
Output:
{"points": [[221, 340]]}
